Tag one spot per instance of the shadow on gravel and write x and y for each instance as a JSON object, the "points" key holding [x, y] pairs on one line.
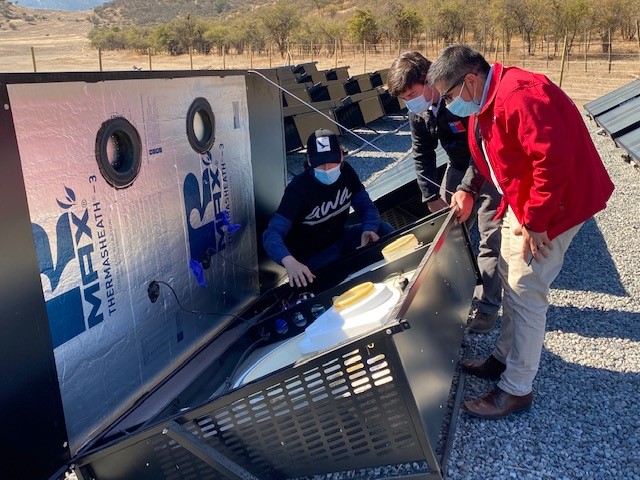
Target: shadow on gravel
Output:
{"points": [[588, 265], [583, 423], [594, 323]]}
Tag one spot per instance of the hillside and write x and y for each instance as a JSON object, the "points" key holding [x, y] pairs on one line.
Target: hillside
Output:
{"points": [[146, 12], [61, 4]]}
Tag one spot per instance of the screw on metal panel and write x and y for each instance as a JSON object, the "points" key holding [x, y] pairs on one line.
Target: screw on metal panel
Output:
{"points": [[6, 106], [165, 431], [388, 331], [64, 445]]}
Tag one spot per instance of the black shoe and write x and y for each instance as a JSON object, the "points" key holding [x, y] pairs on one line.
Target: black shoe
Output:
{"points": [[489, 368]]}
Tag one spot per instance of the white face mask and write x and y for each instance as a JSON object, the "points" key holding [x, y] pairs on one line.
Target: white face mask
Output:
{"points": [[419, 104], [327, 176]]}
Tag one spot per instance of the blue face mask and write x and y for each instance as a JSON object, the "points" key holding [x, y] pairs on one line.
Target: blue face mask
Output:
{"points": [[419, 104], [463, 108], [327, 176]]}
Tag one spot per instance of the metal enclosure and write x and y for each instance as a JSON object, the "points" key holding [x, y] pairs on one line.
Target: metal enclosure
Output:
{"points": [[144, 392], [71, 364], [376, 400]]}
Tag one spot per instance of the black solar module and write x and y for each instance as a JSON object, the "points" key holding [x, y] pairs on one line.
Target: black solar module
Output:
{"points": [[622, 119], [631, 143], [618, 113], [613, 99]]}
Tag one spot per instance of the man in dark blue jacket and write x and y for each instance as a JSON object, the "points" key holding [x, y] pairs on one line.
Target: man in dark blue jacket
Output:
{"points": [[430, 121], [309, 228]]}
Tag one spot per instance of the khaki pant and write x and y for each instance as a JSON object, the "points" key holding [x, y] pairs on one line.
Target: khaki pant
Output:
{"points": [[525, 304]]}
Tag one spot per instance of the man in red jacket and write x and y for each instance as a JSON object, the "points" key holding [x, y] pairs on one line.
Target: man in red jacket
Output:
{"points": [[529, 139]]}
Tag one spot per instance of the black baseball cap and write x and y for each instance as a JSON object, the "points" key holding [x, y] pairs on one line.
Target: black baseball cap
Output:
{"points": [[323, 147]]}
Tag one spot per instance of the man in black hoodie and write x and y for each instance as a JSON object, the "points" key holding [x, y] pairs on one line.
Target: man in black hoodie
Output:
{"points": [[309, 229], [430, 121]]}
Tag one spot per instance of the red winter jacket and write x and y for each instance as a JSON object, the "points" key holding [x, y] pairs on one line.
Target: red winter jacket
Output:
{"points": [[540, 151]]}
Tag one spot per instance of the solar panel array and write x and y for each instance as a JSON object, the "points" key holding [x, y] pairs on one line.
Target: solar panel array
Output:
{"points": [[618, 113]]}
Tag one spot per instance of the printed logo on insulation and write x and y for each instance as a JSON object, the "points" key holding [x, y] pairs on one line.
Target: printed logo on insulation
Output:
{"points": [[77, 276], [207, 208]]}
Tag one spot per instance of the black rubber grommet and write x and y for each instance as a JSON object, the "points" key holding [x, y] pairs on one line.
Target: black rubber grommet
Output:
{"points": [[200, 107], [118, 152]]}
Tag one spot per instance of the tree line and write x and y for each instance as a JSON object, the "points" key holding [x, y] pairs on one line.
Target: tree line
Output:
{"points": [[487, 23]]}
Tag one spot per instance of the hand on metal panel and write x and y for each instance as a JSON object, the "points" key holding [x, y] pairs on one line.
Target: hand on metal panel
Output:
{"points": [[462, 205]]}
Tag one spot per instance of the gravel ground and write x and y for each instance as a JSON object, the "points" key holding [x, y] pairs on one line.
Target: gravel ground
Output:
{"points": [[584, 423]]}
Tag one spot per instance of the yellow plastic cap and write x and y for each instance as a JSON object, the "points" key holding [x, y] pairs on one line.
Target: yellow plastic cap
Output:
{"points": [[353, 296], [399, 247]]}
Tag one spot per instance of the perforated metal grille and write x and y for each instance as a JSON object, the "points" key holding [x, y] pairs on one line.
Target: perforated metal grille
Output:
{"points": [[398, 217], [339, 412]]}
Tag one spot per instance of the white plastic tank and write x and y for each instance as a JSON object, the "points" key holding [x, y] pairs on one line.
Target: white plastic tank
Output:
{"points": [[358, 310]]}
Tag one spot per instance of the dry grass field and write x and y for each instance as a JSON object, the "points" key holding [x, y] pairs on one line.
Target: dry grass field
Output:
{"points": [[60, 43]]}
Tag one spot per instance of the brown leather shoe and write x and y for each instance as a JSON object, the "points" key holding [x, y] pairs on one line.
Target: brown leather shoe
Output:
{"points": [[498, 404], [482, 322], [491, 367]]}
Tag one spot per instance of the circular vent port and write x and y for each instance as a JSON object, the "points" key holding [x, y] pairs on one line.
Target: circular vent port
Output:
{"points": [[118, 152], [200, 125]]}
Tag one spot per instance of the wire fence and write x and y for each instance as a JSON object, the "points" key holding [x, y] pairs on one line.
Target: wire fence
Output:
{"points": [[364, 57], [586, 70]]}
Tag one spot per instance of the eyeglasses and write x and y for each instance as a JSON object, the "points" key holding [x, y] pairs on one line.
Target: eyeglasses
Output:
{"points": [[445, 96]]}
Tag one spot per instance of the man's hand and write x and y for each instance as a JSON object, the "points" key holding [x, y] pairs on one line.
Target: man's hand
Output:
{"points": [[299, 274], [535, 244], [368, 237], [462, 205], [437, 205]]}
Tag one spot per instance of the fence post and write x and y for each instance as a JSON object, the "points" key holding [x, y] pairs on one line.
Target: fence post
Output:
{"points": [[270, 54], [523, 48], [149, 54], [426, 44], [484, 38], [33, 60], [224, 57], [586, 48], [638, 35], [495, 57], [564, 52], [100, 58], [548, 50], [610, 49], [191, 57], [364, 56], [312, 51]]}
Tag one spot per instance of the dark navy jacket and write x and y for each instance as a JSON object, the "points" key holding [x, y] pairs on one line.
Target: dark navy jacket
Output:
{"points": [[451, 130]]}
